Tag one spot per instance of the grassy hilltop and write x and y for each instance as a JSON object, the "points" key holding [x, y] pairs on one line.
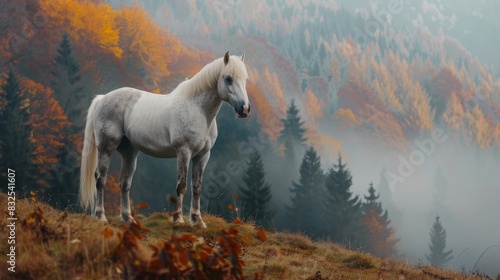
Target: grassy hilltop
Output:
{"points": [[52, 244]]}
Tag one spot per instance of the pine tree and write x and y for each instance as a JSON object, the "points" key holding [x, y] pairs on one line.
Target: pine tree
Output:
{"points": [[292, 136], [256, 194], [306, 196], [64, 175], [438, 257], [16, 149], [68, 90], [342, 208], [218, 190], [379, 235], [67, 86]]}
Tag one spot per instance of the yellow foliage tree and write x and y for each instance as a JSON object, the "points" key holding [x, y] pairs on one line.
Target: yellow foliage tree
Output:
{"points": [[453, 116], [85, 20], [335, 68], [273, 89], [479, 129], [497, 135], [419, 115], [313, 109], [346, 119], [142, 38], [388, 88], [383, 129]]}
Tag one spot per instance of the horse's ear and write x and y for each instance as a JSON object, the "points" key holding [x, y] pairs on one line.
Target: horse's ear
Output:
{"points": [[226, 58], [243, 57]]}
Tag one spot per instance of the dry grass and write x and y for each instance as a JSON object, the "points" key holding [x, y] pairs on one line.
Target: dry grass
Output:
{"points": [[72, 246]]}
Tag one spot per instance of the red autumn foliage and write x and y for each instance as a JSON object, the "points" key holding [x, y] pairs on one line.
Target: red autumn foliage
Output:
{"points": [[181, 256], [356, 96], [48, 121], [112, 202], [442, 87]]}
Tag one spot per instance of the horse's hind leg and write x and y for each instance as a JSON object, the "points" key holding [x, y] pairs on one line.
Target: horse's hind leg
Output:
{"points": [[199, 164], [107, 144], [129, 162], [101, 175]]}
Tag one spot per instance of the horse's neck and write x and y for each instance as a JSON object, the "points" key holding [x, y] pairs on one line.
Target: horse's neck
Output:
{"points": [[206, 100], [202, 89]]}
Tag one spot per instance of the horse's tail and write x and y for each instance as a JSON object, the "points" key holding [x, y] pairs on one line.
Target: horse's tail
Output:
{"points": [[88, 191]]}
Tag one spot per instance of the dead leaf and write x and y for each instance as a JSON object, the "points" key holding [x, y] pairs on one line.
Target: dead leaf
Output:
{"points": [[107, 232], [261, 235], [141, 206]]}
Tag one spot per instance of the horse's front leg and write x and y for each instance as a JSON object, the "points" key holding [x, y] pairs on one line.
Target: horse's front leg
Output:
{"points": [[199, 164], [183, 157]]}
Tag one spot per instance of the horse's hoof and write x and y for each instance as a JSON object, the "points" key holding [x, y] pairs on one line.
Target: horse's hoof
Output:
{"points": [[199, 224], [128, 220], [102, 219], [178, 224], [179, 221]]}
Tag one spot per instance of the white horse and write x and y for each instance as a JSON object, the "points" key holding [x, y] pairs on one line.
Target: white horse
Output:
{"points": [[181, 124]]}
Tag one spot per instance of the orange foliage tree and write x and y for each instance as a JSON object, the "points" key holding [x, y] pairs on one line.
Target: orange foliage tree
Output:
{"points": [[346, 119], [313, 108], [48, 123], [146, 45], [454, 114], [269, 115], [85, 21], [380, 237]]}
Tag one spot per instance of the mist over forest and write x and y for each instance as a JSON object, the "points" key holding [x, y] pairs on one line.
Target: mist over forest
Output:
{"points": [[405, 93]]}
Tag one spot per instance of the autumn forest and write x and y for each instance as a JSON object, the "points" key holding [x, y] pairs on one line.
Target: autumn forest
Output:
{"points": [[376, 127]]}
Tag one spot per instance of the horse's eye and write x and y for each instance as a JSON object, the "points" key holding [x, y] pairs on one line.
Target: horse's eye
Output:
{"points": [[229, 80]]}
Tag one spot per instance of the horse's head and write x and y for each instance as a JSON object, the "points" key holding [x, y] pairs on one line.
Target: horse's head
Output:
{"points": [[232, 84]]}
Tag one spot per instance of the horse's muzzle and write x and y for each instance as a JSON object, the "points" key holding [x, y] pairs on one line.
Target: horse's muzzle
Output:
{"points": [[242, 111]]}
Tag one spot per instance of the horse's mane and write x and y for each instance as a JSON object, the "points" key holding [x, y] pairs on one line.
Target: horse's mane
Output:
{"points": [[206, 79]]}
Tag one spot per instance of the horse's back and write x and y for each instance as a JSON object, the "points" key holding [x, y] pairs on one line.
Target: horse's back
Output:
{"points": [[122, 99], [139, 116]]}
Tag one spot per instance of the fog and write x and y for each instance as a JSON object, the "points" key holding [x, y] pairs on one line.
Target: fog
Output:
{"points": [[470, 209], [471, 220]]}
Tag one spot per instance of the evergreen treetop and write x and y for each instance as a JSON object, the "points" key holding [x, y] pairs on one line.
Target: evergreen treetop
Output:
{"points": [[292, 135], [66, 83], [342, 208], [437, 256], [373, 203]]}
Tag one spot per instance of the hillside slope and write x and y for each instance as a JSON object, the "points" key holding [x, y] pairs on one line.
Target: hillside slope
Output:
{"points": [[52, 244]]}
